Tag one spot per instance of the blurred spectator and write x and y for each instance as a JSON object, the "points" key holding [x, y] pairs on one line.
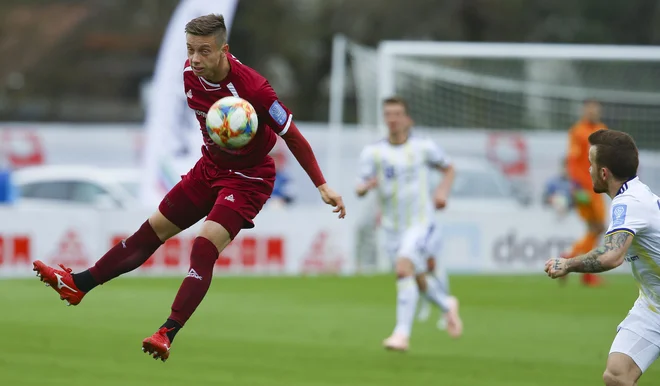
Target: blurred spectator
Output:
{"points": [[7, 190], [561, 193], [281, 195]]}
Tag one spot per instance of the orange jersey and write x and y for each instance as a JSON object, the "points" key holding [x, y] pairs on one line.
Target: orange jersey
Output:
{"points": [[578, 152]]}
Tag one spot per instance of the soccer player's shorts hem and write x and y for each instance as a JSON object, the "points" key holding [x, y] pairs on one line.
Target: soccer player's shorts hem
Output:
{"points": [[644, 323], [416, 243], [178, 207], [232, 198], [640, 350], [235, 209]]}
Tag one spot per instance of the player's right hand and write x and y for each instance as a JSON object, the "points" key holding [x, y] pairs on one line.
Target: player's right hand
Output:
{"points": [[365, 187], [556, 267], [331, 197]]}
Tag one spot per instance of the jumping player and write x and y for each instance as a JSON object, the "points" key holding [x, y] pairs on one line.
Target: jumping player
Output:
{"points": [[592, 207], [228, 188], [633, 236], [398, 167]]}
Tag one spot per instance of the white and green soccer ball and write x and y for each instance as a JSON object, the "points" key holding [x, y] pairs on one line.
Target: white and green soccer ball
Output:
{"points": [[232, 122]]}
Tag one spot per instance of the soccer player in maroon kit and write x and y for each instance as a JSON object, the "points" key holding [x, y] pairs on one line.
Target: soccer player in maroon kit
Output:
{"points": [[229, 188]]}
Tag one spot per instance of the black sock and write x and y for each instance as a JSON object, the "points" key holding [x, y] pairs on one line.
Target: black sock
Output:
{"points": [[173, 326], [84, 281]]}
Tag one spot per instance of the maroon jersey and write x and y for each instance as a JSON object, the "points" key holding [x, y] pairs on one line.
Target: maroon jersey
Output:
{"points": [[244, 82]]}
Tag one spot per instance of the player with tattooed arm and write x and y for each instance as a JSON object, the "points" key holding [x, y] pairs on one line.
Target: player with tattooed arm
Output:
{"points": [[633, 236]]}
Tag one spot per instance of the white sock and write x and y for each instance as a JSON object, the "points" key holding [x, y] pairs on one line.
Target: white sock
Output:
{"points": [[406, 304], [437, 292]]}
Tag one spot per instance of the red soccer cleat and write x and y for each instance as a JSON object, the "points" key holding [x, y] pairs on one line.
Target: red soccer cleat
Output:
{"points": [[59, 280], [158, 344]]}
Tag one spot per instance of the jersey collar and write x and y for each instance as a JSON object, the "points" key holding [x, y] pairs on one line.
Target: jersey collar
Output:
{"points": [[626, 184]]}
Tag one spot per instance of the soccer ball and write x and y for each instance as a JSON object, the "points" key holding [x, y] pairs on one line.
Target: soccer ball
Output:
{"points": [[231, 122]]}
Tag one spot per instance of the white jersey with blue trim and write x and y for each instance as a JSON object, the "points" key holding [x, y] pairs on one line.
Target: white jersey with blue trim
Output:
{"points": [[403, 174], [636, 210]]}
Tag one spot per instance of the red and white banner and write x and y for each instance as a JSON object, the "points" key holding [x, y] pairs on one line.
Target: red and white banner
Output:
{"points": [[291, 242]]}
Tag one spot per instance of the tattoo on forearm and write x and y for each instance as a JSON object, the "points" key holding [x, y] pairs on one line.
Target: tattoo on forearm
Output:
{"points": [[591, 261]]}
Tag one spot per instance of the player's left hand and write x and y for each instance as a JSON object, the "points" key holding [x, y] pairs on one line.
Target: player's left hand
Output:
{"points": [[556, 267], [440, 200], [331, 197]]}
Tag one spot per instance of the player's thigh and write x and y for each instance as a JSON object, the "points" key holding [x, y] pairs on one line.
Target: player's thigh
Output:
{"points": [[185, 204], [412, 247], [391, 241], [236, 209], [215, 233], [630, 355]]}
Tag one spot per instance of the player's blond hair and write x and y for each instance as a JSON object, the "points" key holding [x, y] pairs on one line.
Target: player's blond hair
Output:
{"points": [[212, 24]]}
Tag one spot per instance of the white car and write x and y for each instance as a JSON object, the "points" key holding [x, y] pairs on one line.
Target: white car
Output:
{"points": [[80, 186], [480, 186]]}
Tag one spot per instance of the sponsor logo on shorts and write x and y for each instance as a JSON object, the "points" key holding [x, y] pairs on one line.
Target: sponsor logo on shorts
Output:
{"points": [[201, 113], [230, 198]]}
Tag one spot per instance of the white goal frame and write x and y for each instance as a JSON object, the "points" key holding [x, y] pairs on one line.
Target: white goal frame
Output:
{"points": [[388, 50]]}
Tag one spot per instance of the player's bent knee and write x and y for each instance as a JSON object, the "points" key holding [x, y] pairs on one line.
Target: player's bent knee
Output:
{"points": [[613, 379], [430, 264], [421, 282], [163, 228], [404, 267], [215, 233]]}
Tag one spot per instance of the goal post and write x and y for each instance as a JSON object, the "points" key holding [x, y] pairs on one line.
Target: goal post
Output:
{"points": [[517, 86]]}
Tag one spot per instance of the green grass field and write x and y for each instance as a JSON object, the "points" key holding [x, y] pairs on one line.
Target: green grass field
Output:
{"points": [[312, 332]]}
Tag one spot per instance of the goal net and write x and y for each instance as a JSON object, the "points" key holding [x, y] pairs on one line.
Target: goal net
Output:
{"points": [[511, 86]]}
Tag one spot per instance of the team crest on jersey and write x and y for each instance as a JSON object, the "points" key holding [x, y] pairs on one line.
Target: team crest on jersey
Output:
{"points": [[278, 113], [619, 214]]}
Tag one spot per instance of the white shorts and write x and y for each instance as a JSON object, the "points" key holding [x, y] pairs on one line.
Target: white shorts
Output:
{"points": [[416, 243], [638, 335]]}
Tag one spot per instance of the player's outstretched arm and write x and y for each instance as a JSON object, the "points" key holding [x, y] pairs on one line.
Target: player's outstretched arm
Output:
{"points": [[364, 187], [604, 258], [303, 152], [442, 191]]}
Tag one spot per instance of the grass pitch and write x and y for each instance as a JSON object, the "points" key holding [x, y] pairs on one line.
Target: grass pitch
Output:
{"points": [[313, 332]]}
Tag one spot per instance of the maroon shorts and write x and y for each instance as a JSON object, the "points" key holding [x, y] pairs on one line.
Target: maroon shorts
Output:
{"points": [[232, 198]]}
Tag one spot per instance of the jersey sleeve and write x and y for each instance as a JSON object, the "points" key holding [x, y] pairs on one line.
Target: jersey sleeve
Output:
{"points": [[277, 115], [436, 156], [367, 165], [627, 216]]}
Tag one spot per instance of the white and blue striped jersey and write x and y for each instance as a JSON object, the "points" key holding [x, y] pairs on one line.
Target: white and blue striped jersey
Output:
{"points": [[403, 174], [636, 210]]}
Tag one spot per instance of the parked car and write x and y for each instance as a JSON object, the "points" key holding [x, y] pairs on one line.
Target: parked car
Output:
{"points": [[480, 186], [82, 186]]}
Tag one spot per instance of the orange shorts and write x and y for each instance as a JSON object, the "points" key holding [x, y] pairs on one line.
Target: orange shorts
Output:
{"points": [[594, 211]]}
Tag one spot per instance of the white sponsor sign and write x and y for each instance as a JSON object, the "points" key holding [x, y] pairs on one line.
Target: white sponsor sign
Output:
{"points": [[292, 242]]}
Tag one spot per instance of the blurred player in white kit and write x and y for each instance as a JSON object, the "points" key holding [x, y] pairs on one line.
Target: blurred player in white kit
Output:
{"points": [[399, 168], [633, 236]]}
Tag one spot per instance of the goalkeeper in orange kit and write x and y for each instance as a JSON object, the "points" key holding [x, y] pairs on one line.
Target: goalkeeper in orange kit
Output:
{"points": [[590, 205]]}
